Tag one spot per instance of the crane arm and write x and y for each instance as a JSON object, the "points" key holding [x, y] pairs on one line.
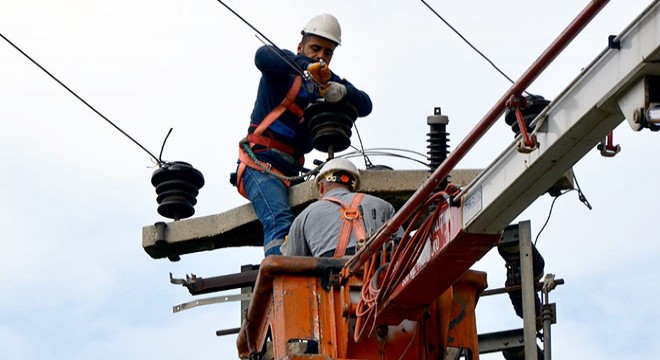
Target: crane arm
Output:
{"points": [[616, 85], [480, 129]]}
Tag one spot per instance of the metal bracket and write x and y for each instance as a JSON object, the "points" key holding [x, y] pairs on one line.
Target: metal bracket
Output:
{"points": [[607, 147], [549, 283], [332, 281], [527, 146], [640, 102], [613, 42], [161, 241], [183, 282], [211, 300]]}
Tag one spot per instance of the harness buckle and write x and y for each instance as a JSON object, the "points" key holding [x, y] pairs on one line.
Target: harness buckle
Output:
{"points": [[350, 214], [267, 166]]}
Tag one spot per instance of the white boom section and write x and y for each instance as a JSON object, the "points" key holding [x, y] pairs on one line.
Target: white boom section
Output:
{"points": [[606, 93]]}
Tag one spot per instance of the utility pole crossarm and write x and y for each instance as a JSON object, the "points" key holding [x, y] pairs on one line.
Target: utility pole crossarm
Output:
{"points": [[240, 227]]}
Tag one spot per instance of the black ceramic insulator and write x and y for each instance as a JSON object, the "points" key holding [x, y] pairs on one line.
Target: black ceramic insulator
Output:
{"points": [[438, 140], [177, 186], [510, 252], [535, 104], [330, 125]]}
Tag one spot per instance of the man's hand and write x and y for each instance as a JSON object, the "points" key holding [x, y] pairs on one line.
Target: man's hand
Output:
{"points": [[333, 92], [320, 72]]}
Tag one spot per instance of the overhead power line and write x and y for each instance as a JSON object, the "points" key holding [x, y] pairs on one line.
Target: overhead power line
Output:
{"points": [[468, 42], [81, 99], [263, 38]]}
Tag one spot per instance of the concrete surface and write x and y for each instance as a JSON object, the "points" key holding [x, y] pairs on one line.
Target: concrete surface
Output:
{"points": [[240, 227]]}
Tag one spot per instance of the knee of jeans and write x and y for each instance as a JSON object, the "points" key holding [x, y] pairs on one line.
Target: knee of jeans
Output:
{"points": [[274, 218], [276, 228]]}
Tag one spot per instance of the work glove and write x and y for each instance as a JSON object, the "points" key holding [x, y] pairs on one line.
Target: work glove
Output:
{"points": [[320, 72], [333, 92]]}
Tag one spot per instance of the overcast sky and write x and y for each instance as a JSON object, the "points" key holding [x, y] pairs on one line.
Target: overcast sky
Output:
{"points": [[76, 193]]}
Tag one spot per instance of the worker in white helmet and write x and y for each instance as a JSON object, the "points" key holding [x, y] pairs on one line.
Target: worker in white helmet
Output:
{"points": [[277, 136], [333, 226]]}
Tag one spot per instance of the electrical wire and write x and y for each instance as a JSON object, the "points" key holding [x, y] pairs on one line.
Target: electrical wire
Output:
{"points": [[160, 156], [376, 288], [160, 163], [581, 197], [360, 154], [376, 152], [367, 162], [387, 151], [264, 39], [282, 55], [402, 150], [547, 219], [276, 48], [246, 22], [470, 44]]}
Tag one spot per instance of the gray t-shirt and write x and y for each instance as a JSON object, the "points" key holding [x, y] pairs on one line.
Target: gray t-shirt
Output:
{"points": [[316, 230]]}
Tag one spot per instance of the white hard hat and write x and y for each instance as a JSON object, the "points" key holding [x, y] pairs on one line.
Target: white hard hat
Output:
{"points": [[330, 169], [325, 26]]}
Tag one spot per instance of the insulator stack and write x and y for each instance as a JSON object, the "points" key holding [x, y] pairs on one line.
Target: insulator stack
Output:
{"points": [[534, 104], [510, 251], [438, 138], [330, 125], [177, 186]]}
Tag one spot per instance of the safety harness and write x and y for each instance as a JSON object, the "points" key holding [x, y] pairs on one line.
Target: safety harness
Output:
{"points": [[256, 138], [351, 222]]}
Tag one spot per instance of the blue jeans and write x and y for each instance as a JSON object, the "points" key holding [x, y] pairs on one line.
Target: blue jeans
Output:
{"points": [[270, 200]]}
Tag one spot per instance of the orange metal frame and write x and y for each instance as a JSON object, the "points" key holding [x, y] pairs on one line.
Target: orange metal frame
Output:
{"points": [[298, 300]]}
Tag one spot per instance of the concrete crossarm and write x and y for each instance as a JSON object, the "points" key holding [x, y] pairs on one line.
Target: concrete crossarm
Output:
{"points": [[240, 227]]}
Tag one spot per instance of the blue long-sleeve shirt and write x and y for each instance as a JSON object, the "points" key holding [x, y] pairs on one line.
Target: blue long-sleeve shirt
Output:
{"points": [[276, 79]]}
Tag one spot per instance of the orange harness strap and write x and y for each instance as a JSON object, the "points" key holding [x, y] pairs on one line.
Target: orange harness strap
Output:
{"points": [[247, 161], [287, 104], [351, 217], [256, 138], [270, 143]]}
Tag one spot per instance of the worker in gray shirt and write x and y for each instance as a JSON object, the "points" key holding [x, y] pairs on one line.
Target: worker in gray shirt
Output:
{"points": [[333, 225]]}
